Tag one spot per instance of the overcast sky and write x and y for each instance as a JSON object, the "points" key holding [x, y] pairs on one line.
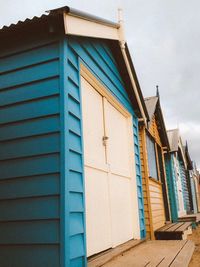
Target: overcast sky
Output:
{"points": [[164, 40]]}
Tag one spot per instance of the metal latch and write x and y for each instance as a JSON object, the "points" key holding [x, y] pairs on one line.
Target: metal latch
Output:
{"points": [[104, 139]]}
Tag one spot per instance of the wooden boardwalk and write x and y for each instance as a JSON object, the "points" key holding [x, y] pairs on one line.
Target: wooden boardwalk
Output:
{"points": [[190, 218], [104, 257], [158, 253]]}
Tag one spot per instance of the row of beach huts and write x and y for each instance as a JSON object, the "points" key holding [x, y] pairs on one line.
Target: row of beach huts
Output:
{"points": [[86, 162]]}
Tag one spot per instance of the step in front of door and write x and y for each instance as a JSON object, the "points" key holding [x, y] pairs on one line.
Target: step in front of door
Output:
{"points": [[174, 231]]}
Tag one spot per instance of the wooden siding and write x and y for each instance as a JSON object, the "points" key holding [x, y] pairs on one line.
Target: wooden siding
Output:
{"points": [[157, 205], [98, 57], [139, 178], [159, 220], [75, 169], [145, 183], [153, 129], [30, 154], [152, 193], [152, 189]]}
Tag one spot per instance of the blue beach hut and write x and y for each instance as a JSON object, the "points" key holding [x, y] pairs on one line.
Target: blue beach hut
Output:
{"points": [[70, 179]]}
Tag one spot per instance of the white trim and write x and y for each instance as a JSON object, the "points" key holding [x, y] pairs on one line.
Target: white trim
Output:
{"points": [[84, 27]]}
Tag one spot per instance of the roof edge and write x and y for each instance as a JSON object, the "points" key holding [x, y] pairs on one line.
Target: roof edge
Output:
{"points": [[141, 97], [84, 15]]}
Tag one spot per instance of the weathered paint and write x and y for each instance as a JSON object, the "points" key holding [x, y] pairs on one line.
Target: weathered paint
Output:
{"points": [[42, 178]]}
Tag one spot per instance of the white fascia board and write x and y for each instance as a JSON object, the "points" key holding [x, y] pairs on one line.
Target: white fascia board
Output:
{"points": [[75, 25]]}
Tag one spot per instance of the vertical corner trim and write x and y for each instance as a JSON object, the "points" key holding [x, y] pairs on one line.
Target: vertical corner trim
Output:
{"points": [[64, 187]]}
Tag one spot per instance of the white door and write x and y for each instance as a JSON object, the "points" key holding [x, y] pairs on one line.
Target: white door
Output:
{"points": [[111, 207], [96, 172], [181, 209], [119, 154]]}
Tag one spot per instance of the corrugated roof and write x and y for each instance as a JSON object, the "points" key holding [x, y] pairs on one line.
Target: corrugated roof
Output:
{"points": [[151, 103], [173, 137], [60, 10], [25, 21], [81, 14]]}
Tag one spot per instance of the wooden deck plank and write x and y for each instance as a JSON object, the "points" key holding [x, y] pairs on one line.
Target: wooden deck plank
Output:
{"points": [[130, 258], [164, 228], [155, 254], [173, 253], [190, 217], [168, 250], [142, 256], [174, 227], [184, 256], [154, 263], [104, 257], [184, 227]]}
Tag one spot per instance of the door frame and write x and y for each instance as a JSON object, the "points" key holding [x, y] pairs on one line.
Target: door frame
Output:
{"points": [[101, 89]]}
